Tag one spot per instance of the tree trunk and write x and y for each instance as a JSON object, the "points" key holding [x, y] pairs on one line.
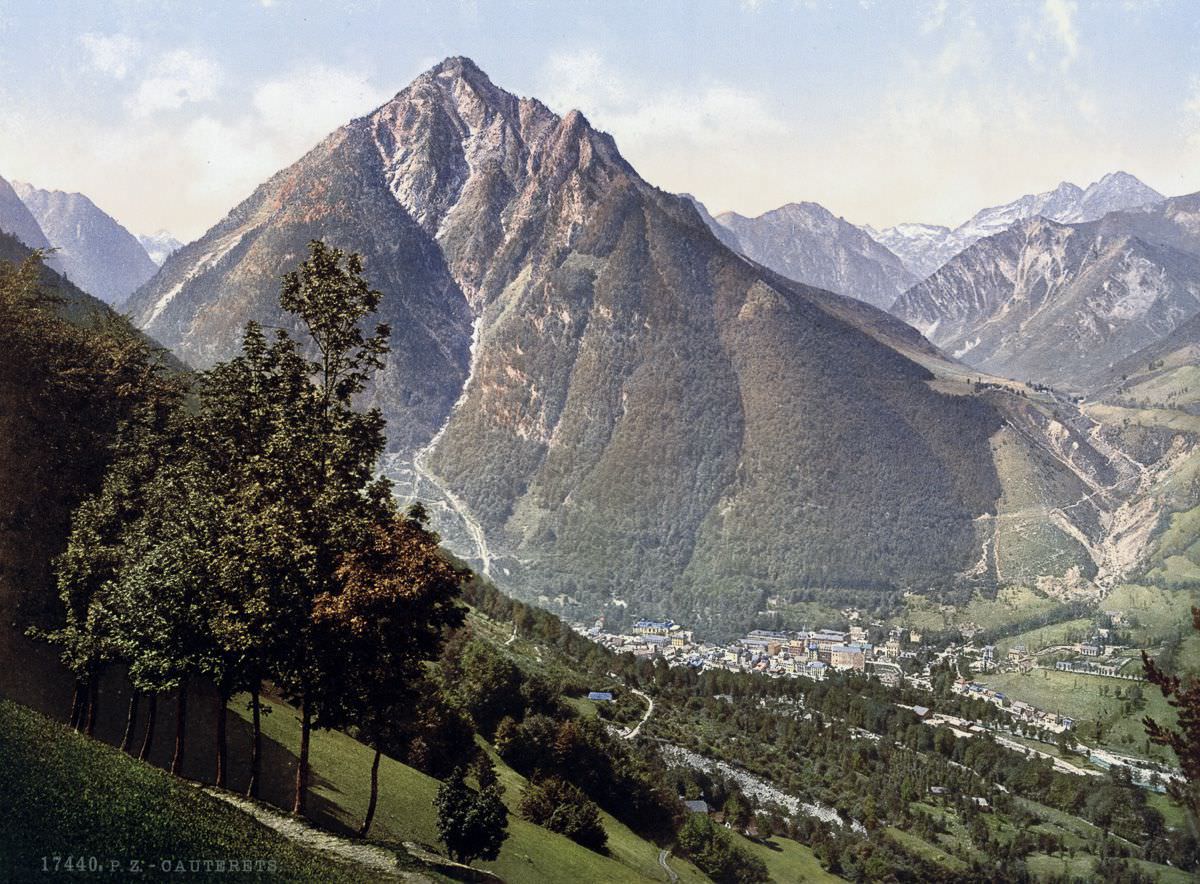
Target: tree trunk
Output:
{"points": [[180, 728], [130, 721], [222, 714], [93, 701], [148, 738], [298, 806], [77, 703], [366, 826], [256, 745]]}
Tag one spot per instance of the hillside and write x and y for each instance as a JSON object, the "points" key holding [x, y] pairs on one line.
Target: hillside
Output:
{"points": [[83, 801], [65, 364], [91, 248], [17, 220]]}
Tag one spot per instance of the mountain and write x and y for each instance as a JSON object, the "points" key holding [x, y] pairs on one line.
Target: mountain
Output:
{"points": [[723, 233], [1055, 303], [808, 243], [603, 404], [926, 247], [923, 248], [159, 246], [95, 251], [15, 218]]}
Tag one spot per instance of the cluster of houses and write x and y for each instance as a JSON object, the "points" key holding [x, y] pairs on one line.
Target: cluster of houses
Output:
{"points": [[806, 653]]}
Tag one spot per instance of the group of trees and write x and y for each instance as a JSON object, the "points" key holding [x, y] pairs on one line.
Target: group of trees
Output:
{"points": [[712, 849], [241, 536]]}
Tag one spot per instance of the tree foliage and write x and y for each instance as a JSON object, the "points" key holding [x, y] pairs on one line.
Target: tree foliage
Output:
{"points": [[1183, 693], [471, 824], [557, 805]]}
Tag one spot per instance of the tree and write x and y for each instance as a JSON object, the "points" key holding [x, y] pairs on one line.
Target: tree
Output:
{"points": [[471, 824], [319, 485], [96, 544], [395, 600], [1182, 692], [490, 686], [557, 805]]}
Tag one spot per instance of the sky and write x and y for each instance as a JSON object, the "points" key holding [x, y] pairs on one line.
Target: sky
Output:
{"points": [[169, 114]]}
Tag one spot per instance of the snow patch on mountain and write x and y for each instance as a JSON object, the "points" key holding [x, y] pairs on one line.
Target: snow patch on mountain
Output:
{"points": [[925, 247]]}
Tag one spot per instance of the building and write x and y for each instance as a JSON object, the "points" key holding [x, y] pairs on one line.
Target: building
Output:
{"points": [[654, 627], [698, 806], [1089, 650], [600, 696], [848, 657], [815, 669]]}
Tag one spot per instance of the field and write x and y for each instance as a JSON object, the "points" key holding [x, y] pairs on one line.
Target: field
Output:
{"points": [[1067, 632], [79, 797], [1012, 604], [1092, 699], [925, 850]]}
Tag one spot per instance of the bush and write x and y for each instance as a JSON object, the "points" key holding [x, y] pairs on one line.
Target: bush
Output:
{"points": [[471, 824], [560, 807]]}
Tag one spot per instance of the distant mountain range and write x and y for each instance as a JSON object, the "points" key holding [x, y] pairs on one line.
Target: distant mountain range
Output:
{"points": [[159, 246], [1055, 303], [606, 406], [808, 243], [925, 247], [91, 248]]}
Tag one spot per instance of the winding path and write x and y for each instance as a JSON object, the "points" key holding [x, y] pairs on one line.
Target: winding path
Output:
{"points": [[662, 861], [649, 711]]}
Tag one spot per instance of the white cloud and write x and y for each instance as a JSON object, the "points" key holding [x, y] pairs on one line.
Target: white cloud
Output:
{"points": [[185, 171], [176, 78], [1058, 17], [316, 99], [641, 115], [110, 54]]}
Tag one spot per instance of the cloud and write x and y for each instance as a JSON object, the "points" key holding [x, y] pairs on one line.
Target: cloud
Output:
{"points": [[315, 99], [1058, 17], [936, 17], [176, 78], [110, 54], [185, 171], [639, 114]]}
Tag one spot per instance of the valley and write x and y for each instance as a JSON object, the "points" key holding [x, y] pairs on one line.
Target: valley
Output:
{"points": [[534, 475]]}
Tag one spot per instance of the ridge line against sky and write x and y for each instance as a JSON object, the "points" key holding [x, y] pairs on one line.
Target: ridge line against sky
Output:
{"points": [[169, 114]]}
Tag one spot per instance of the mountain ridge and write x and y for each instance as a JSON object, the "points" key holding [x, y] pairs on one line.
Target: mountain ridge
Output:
{"points": [[926, 247]]}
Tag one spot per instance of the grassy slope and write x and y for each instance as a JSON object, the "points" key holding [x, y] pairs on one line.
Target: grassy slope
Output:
{"points": [[80, 797], [341, 768], [788, 861]]}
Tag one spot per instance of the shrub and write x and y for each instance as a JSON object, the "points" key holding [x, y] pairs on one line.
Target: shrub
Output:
{"points": [[561, 807]]}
